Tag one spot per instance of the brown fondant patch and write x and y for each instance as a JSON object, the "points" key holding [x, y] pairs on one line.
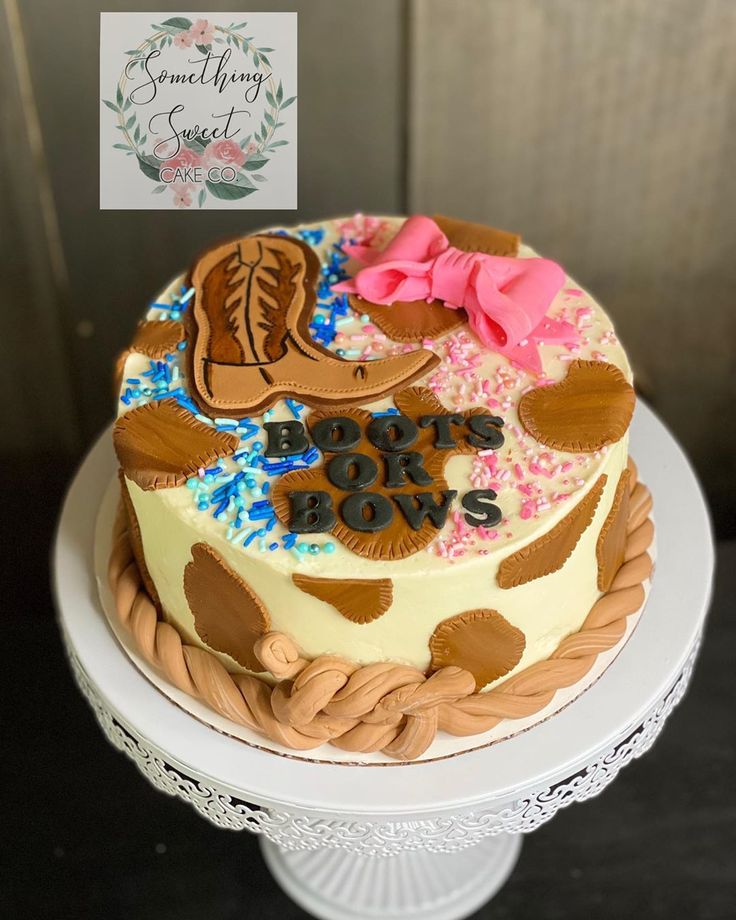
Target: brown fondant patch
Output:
{"points": [[463, 234], [398, 540], [156, 338], [136, 541], [481, 641], [228, 615], [360, 600], [552, 550], [160, 445], [410, 320], [609, 549], [253, 303], [590, 408]]}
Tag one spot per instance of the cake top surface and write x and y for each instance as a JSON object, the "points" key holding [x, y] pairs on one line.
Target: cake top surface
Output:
{"points": [[231, 487]]}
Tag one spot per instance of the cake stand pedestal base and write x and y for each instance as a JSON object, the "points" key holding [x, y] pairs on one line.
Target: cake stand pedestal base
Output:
{"points": [[339, 885]]}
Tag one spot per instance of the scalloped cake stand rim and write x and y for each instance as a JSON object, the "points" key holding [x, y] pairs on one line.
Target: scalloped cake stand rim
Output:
{"points": [[631, 687]]}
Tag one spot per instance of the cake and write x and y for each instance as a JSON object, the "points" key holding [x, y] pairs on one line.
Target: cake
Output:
{"points": [[375, 482]]}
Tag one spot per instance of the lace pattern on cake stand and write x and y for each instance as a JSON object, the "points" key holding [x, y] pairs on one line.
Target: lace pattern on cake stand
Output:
{"points": [[443, 834]]}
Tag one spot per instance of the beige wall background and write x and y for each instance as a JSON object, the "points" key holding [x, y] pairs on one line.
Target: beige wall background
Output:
{"points": [[603, 130]]}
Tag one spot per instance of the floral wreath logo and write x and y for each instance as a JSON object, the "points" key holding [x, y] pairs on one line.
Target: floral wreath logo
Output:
{"points": [[230, 169]]}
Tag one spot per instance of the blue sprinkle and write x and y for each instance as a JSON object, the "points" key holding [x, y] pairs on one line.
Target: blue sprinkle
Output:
{"points": [[329, 548], [250, 539], [182, 346], [132, 380], [295, 407], [273, 546]]}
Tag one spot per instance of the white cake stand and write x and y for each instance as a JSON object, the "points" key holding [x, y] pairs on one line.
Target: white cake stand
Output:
{"points": [[452, 827]]}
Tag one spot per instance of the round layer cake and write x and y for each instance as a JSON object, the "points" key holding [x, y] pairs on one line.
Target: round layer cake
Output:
{"points": [[381, 440]]}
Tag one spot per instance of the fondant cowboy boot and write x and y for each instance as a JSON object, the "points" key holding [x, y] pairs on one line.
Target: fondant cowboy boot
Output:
{"points": [[253, 303]]}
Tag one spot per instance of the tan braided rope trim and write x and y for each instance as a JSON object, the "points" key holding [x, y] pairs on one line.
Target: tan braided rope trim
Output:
{"points": [[386, 706]]}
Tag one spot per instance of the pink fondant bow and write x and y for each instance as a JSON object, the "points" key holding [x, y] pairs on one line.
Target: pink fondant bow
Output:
{"points": [[506, 299]]}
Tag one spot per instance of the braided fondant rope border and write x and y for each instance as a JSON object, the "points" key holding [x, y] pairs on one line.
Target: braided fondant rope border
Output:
{"points": [[385, 706]]}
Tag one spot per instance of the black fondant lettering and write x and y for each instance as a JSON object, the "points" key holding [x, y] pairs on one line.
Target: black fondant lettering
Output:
{"points": [[334, 435], [443, 432], [428, 507], [392, 432], [403, 468], [285, 438], [367, 512], [486, 431], [480, 501], [352, 472], [311, 512]]}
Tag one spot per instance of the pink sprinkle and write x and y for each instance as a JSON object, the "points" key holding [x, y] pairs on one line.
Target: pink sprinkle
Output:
{"points": [[575, 292], [370, 329], [527, 510], [518, 472]]}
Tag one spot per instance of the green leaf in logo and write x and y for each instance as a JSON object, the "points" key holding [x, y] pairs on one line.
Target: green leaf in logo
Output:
{"points": [[256, 162], [280, 93], [229, 191], [288, 101], [111, 105], [119, 97], [150, 167], [178, 22], [202, 196], [159, 189], [203, 49]]}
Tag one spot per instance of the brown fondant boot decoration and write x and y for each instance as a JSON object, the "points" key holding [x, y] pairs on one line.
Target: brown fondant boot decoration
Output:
{"points": [[253, 303]]}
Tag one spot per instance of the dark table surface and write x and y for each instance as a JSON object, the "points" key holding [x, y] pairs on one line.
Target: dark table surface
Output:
{"points": [[86, 836]]}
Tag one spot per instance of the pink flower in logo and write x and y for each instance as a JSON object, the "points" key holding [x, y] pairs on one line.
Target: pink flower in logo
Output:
{"points": [[183, 40], [226, 151], [202, 32], [251, 148], [184, 160], [182, 195]]}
